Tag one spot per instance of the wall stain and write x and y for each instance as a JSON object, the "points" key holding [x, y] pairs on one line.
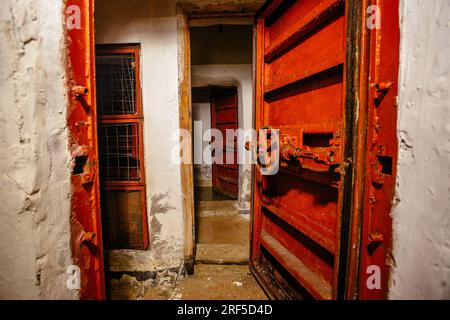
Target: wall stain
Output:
{"points": [[158, 206]]}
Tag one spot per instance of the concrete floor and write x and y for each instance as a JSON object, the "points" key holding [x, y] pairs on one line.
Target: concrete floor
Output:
{"points": [[221, 270], [220, 282], [209, 282], [223, 240]]}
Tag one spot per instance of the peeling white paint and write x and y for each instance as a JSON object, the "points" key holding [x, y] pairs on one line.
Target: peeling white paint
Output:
{"points": [[422, 213], [35, 175]]}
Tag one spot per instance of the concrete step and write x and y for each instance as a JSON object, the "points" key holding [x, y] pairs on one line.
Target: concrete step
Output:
{"points": [[216, 208], [210, 253]]}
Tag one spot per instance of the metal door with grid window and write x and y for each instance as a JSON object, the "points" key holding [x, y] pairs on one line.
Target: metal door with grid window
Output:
{"points": [[121, 147]]}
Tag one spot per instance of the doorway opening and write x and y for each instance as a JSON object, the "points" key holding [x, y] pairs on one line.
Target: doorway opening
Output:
{"points": [[221, 64]]}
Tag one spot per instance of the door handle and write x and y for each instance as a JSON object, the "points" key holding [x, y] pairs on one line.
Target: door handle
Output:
{"points": [[323, 158]]}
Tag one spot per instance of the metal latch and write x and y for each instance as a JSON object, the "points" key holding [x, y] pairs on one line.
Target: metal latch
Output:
{"points": [[322, 158]]}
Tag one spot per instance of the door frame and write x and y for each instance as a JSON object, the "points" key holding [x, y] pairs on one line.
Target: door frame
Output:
{"points": [[184, 14], [85, 217]]}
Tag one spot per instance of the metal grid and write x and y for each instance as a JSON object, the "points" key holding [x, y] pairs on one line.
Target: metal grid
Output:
{"points": [[116, 84], [119, 151]]}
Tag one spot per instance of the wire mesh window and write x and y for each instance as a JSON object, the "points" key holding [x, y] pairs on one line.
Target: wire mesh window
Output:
{"points": [[116, 84], [119, 151], [121, 148]]}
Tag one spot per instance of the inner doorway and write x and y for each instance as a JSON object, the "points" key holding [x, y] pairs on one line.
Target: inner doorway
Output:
{"points": [[224, 116], [221, 64]]}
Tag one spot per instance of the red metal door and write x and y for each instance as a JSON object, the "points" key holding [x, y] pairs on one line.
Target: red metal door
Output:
{"points": [[224, 110], [86, 235], [300, 91]]}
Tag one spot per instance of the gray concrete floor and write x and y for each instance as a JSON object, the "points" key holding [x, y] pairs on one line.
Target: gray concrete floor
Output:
{"points": [[220, 282], [223, 240], [221, 270]]}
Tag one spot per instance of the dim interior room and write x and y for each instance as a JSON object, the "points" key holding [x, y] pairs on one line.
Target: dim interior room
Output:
{"points": [[222, 98]]}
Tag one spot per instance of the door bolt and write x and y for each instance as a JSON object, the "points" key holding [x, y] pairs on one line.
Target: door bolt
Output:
{"points": [[80, 91]]}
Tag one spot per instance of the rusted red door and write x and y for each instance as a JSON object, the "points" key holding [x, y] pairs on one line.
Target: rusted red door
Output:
{"points": [[86, 235], [224, 110], [300, 91]]}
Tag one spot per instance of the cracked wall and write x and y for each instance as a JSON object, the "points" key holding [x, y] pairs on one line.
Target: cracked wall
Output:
{"points": [[34, 176], [422, 210]]}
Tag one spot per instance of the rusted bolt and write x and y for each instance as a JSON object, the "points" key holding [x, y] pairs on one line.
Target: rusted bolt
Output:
{"points": [[383, 86], [88, 237], [331, 157], [80, 91]]}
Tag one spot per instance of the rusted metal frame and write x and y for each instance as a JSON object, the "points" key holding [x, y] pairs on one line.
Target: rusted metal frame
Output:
{"points": [[137, 118], [376, 239], [351, 80], [85, 199], [185, 114], [353, 276], [373, 72], [256, 175]]}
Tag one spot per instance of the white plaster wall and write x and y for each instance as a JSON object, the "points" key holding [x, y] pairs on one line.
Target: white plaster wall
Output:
{"points": [[34, 176], [240, 76], [201, 112], [153, 25], [422, 213]]}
